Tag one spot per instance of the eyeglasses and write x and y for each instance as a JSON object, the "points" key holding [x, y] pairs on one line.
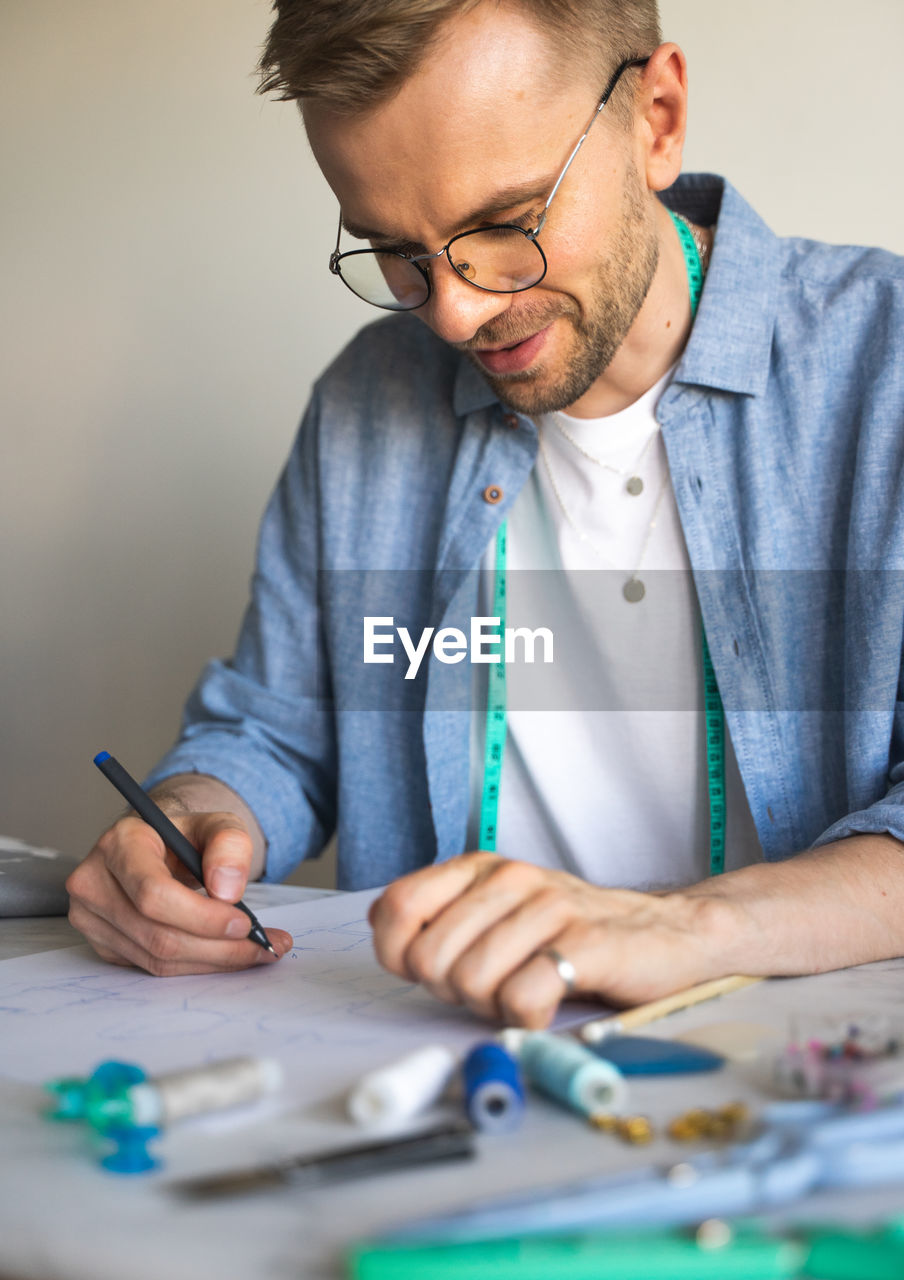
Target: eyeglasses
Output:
{"points": [[501, 258]]}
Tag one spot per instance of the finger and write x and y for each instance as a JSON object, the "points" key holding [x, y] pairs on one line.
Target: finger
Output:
{"points": [[531, 994], [98, 933], [622, 965], [94, 891], [110, 943], [410, 903], [166, 952], [482, 968], [470, 936], [616, 941], [226, 854], [136, 862]]}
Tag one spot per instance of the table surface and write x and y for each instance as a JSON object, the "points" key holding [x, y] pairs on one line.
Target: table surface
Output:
{"points": [[62, 1218]]}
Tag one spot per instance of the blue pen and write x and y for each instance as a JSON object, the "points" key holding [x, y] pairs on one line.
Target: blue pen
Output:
{"points": [[170, 834]]}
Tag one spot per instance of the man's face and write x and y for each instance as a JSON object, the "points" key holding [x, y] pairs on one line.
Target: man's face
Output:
{"points": [[479, 134]]}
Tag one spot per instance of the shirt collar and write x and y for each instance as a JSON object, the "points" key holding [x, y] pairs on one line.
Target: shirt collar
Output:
{"points": [[731, 341]]}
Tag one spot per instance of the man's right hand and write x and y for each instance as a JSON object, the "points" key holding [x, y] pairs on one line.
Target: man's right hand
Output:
{"points": [[137, 905]]}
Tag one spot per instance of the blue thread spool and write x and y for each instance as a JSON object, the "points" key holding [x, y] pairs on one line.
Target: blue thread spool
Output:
{"points": [[494, 1091], [572, 1074]]}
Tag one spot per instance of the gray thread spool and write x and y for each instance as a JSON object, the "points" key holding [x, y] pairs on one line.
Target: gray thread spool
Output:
{"points": [[216, 1086]]}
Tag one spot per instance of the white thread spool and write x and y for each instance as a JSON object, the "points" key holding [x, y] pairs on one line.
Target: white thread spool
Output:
{"points": [[403, 1088], [214, 1087]]}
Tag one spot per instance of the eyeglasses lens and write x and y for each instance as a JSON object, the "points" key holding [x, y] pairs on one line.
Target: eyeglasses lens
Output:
{"points": [[497, 259], [385, 279], [500, 259]]}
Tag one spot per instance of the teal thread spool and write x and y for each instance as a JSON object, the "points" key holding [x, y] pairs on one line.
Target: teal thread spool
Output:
{"points": [[565, 1070]]}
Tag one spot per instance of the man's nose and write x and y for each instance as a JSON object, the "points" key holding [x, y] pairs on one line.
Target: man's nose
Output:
{"points": [[457, 309]]}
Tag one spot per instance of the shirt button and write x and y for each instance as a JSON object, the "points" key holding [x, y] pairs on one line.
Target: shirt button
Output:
{"points": [[510, 419], [493, 494]]}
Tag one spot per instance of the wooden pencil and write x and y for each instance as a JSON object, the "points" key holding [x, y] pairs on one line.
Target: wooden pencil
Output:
{"points": [[618, 1023]]}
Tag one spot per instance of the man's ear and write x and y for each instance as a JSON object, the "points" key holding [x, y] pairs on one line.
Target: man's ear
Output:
{"points": [[661, 115]]}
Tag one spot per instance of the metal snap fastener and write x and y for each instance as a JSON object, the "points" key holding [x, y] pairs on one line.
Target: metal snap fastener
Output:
{"points": [[510, 419], [493, 494]]}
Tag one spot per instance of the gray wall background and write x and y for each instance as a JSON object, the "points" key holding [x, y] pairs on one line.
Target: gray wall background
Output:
{"points": [[165, 307]]}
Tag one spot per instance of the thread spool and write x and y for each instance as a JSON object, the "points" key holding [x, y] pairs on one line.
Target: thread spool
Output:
{"points": [[119, 1102], [567, 1071], [214, 1087], [403, 1088], [494, 1091]]}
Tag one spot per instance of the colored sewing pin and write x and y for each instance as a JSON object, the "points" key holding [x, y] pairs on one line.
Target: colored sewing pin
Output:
{"points": [[170, 834]]}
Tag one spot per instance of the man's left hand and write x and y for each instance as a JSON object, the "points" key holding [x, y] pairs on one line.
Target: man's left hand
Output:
{"points": [[472, 931]]}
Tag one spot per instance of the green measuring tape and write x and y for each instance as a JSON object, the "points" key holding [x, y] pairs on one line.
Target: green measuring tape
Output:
{"points": [[714, 715], [495, 740], [713, 711]]}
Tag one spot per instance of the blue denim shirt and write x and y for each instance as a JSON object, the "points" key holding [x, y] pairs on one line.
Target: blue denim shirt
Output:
{"points": [[784, 428]]}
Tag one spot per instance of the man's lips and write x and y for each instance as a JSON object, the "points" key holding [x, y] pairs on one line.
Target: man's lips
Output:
{"points": [[512, 358]]}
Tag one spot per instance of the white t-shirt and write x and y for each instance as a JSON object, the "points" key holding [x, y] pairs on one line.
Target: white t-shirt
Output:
{"points": [[604, 771]]}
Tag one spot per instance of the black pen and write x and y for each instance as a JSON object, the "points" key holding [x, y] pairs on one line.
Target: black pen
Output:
{"points": [[170, 834]]}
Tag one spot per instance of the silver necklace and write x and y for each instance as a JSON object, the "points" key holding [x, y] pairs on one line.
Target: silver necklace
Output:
{"points": [[634, 589], [633, 482]]}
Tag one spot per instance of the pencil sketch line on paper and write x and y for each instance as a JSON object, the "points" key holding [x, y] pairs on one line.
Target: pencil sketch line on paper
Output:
{"points": [[329, 995]]}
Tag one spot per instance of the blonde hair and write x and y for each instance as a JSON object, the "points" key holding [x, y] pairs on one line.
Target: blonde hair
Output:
{"points": [[351, 55]]}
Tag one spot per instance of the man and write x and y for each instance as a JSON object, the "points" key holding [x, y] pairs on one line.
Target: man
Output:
{"points": [[752, 455]]}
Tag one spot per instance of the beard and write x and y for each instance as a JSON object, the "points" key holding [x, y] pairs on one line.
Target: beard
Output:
{"points": [[621, 284]]}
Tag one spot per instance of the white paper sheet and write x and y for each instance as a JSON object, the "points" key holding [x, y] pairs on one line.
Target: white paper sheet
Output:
{"points": [[327, 1010], [324, 1010]]}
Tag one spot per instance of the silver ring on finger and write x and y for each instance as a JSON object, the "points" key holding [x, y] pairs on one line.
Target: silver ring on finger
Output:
{"points": [[564, 968]]}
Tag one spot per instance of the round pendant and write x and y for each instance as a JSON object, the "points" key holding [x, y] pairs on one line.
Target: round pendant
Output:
{"points": [[634, 591], [634, 486]]}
